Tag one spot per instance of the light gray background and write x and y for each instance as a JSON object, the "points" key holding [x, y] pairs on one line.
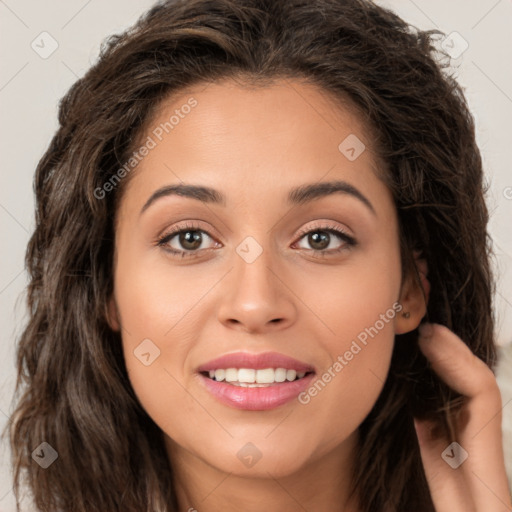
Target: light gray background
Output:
{"points": [[31, 86]]}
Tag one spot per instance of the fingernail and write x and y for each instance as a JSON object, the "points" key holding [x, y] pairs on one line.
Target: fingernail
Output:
{"points": [[426, 330]]}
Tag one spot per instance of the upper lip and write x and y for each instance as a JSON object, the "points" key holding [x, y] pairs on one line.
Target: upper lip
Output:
{"points": [[256, 361]]}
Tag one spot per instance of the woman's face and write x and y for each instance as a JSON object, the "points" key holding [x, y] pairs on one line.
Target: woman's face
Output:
{"points": [[257, 270]]}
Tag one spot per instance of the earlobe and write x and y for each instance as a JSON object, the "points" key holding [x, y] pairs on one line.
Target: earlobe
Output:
{"points": [[112, 315], [413, 298]]}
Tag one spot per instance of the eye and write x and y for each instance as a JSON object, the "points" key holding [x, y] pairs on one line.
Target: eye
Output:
{"points": [[321, 237], [189, 240], [184, 240]]}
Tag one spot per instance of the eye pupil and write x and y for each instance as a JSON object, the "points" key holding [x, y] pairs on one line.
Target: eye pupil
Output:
{"points": [[314, 239], [194, 239]]}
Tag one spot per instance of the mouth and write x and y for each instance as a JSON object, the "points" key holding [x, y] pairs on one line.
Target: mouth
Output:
{"points": [[255, 378], [255, 382]]}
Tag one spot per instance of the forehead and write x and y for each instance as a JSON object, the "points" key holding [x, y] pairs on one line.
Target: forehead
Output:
{"points": [[230, 135], [235, 109]]}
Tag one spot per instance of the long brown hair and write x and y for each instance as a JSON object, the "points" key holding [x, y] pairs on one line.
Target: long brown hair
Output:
{"points": [[73, 391]]}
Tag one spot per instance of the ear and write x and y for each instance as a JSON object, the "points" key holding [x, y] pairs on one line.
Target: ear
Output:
{"points": [[112, 315], [413, 298]]}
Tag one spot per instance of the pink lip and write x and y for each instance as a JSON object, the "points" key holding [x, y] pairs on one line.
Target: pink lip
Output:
{"points": [[256, 399], [256, 361]]}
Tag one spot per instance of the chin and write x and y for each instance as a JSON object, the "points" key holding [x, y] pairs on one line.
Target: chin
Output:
{"points": [[256, 459]]}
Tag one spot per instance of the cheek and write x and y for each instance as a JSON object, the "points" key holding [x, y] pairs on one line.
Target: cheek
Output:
{"points": [[358, 308], [156, 299], [360, 294], [151, 299], [349, 385], [155, 305], [168, 305]]}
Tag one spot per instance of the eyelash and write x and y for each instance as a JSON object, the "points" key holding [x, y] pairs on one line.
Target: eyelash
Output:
{"points": [[350, 241]]}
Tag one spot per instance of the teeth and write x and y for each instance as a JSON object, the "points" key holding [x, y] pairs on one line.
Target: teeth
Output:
{"points": [[267, 376], [249, 377], [245, 385], [231, 375], [290, 375], [280, 375]]}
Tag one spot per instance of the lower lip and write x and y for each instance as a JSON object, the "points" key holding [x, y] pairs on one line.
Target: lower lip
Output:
{"points": [[256, 399]]}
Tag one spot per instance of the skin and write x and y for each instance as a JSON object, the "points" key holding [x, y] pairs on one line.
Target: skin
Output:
{"points": [[479, 484], [254, 145]]}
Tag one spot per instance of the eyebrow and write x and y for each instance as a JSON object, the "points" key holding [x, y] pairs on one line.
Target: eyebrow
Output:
{"points": [[297, 196]]}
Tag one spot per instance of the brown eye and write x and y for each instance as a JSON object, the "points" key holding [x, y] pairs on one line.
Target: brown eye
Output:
{"points": [[190, 240], [320, 239], [186, 241]]}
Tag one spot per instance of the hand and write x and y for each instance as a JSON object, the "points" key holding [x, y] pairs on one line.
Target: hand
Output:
{"points": [[479, 483]]}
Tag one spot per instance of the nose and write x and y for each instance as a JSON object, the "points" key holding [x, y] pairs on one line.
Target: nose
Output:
{"points": [[256, 296]]}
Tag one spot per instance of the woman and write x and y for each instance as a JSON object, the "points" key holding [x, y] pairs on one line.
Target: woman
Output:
{"points": [[247, 212]]}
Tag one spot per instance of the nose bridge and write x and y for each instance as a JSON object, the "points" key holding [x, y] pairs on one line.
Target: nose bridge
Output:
{"points": [[253, 267], [256, 297]]}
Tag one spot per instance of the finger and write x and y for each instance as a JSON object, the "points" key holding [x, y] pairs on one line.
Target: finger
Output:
{"points": [[447, 484], [481, 436], [454, 362]]}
